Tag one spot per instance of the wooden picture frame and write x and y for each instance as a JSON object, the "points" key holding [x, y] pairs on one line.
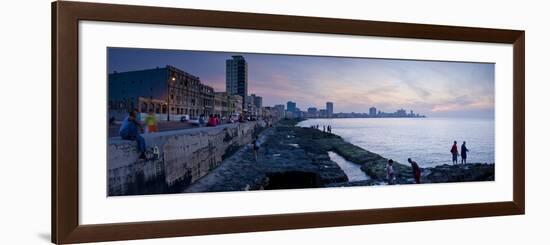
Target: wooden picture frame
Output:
{"points": [[65, 122]]}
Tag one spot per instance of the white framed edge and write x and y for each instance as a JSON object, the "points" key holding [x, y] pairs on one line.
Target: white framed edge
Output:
{"points": [[96, 208]]}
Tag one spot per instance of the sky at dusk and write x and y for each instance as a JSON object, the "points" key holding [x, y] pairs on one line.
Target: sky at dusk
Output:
{"points": [[431, 88]]}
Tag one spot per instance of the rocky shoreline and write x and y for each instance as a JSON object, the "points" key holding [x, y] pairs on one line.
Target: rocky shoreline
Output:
{"points": [[295, 157]]}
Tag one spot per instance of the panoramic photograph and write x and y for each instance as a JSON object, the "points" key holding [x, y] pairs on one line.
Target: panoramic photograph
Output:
{"points": [[183, 121]]}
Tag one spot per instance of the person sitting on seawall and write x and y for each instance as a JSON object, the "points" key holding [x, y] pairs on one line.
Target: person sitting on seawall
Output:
{"points": [[151, 122], [454, 152], [463, 152], [129, 130], [416, 170], [390, 174], [211, 121]]}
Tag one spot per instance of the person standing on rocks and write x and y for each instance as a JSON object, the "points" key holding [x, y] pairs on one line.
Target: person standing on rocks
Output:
{"points": [[324, 128], [256, 147], [390, 174], [454, 152], [416, 170], [463, 153]]}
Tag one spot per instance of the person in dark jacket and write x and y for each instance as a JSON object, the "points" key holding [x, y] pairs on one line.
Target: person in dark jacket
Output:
{"points": [[463, 153], [416, 170], [129, 130], [454, 152]]}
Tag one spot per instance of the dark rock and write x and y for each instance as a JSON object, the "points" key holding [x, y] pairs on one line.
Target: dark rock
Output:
{"points": [[460, 173]]}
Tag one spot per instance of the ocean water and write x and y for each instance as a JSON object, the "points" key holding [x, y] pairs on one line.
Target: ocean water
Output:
{"points": [[427, 141]]}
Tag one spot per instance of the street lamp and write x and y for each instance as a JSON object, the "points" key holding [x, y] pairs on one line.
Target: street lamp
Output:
{"points": [[168, 99]]}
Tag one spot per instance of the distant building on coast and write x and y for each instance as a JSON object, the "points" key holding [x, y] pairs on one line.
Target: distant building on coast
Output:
{"points": [[401, 113], [256, 100], [236, 76], [279, 107], [330, 109], [312, 112], [323, 113], [372, 111], [280, 110], [167, 91], [291, 106]]}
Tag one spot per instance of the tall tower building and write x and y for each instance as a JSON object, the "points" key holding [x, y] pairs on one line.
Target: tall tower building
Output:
{"points": [[330, 109], [236, 76]]}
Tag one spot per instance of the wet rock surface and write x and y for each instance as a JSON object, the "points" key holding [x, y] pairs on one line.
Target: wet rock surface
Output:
{"points": [[282, 163]]}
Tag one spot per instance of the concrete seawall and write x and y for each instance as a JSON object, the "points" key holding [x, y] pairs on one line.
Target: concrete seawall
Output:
{"points": [[185, 156]]}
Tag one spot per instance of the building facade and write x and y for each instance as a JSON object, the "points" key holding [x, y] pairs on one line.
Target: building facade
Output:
{"points": [[253, 105], [280, 110], [256, 100], [167, 91], [312, 112], [226, 105]]}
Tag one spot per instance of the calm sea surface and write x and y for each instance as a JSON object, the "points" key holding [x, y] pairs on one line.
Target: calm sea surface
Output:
{"points": [[426, 140]]}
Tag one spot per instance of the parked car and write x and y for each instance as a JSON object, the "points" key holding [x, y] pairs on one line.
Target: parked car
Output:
{"points": [[234, 118], [194, 121], [184, 118]]}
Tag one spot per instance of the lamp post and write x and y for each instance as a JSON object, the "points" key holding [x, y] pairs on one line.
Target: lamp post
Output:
{"points": [[172, 80]]}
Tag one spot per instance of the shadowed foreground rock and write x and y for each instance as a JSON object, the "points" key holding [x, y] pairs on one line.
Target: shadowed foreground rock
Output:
{"points": [[459, 173]]}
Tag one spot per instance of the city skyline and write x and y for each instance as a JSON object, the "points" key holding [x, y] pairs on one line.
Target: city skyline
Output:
{"points": [[431, 88]]}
